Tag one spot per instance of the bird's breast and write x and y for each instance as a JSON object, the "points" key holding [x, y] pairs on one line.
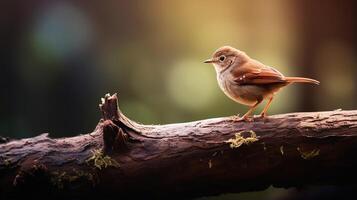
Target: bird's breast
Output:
{"points": [[243, 94]]}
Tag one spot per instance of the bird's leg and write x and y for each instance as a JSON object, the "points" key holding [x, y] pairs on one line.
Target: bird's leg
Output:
{"points": [[264, 112], [245, 117]]}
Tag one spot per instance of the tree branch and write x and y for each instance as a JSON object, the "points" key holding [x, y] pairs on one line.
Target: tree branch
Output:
{"points": [[184, 160]]}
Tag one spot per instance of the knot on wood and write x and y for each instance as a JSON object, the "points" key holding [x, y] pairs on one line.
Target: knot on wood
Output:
{"points": [[114, 137]]}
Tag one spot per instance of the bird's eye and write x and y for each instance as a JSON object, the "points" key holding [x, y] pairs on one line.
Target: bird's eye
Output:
{"points": [[222, 58]]}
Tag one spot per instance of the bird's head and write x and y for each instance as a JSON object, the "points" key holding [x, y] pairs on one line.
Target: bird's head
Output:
{"points": [[226, 56]]}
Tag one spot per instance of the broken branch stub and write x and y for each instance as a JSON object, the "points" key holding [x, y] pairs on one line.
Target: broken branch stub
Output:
{"points": [[110, 111], [109, 107]]}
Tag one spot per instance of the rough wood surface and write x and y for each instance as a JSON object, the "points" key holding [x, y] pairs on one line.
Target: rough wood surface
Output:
{"points": [[127, 159]]}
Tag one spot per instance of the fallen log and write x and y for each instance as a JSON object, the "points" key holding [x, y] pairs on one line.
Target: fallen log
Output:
{"points": [[186, 160]]}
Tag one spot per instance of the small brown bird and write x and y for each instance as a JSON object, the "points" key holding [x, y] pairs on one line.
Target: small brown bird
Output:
{"points": [[247, 81]]}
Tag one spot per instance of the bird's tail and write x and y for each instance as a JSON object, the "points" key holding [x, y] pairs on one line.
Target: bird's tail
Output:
{"points": [[301, 80]]}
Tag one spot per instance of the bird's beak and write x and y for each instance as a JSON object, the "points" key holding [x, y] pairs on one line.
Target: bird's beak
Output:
{"points": [[209, 60]]}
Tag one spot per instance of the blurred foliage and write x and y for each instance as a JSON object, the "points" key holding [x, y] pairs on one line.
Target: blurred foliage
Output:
{"points": [[62, 56], [58, 58]]}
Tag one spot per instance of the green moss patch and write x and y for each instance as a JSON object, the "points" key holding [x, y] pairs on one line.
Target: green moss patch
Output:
{"points": [[239, 140], [101, 161], [61, 179], [308, 155]]}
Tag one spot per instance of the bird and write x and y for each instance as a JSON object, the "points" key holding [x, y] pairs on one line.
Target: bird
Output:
{"points": [[248, 81]]}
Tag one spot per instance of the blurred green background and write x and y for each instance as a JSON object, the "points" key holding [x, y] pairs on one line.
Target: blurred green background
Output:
{"points": [[58, 58]]}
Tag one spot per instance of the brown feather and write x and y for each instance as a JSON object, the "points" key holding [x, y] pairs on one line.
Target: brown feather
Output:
{"points": [[301, 80], [256, 73]]}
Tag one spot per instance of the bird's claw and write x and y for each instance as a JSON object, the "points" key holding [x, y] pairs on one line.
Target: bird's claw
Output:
{"points": [[247, 119], [263, 115], [237, 118]]}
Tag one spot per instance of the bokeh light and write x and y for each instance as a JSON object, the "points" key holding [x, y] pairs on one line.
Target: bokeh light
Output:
{"points": [[192, 85]]}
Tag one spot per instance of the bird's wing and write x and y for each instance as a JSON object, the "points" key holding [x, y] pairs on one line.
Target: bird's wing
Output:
{"points": [[255, 73]]}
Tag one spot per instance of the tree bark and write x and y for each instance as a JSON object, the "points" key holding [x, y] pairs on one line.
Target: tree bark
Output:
{"points": [[186, 160]]}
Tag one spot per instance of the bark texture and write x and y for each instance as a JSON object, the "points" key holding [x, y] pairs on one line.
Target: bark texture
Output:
{"points": [[186, 160]]}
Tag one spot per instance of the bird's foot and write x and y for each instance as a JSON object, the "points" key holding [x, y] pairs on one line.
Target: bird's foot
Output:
{"points": [[247, 119], [244, 118], [263, 115], [235, 117]]}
